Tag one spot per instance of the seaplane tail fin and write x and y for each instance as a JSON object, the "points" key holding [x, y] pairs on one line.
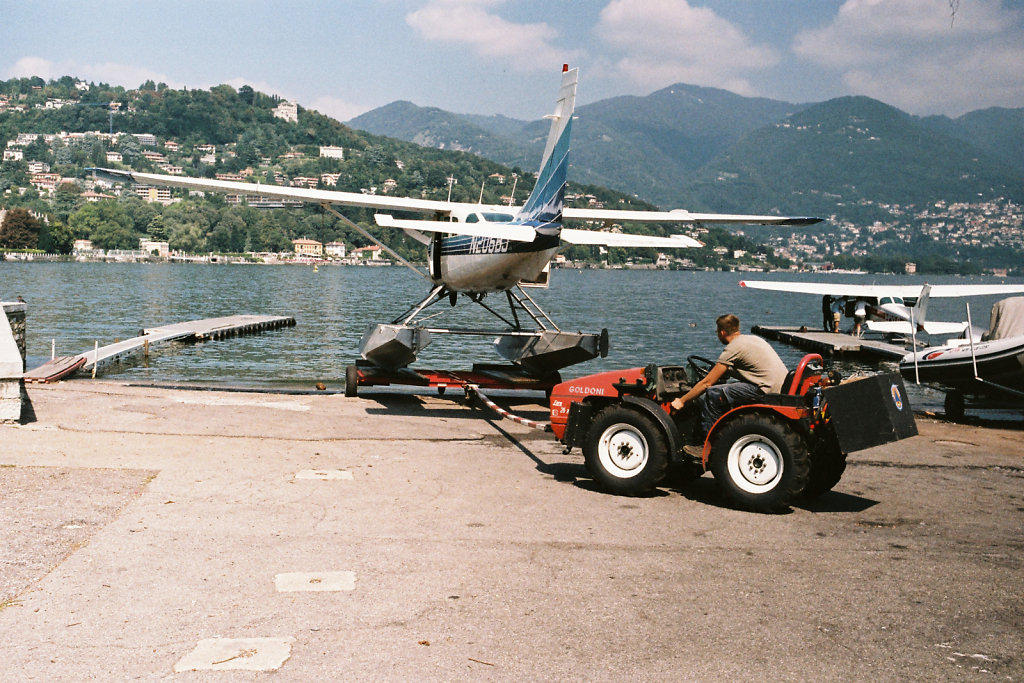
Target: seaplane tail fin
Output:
{"points": [[920, 311], [544, 206]]}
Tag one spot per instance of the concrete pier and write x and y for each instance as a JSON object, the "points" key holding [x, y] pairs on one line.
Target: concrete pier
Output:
{"points": [[149, 533], [12, 359]]}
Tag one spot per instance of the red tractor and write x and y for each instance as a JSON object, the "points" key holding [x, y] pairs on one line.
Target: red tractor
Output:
{"points": [[764, 456]]}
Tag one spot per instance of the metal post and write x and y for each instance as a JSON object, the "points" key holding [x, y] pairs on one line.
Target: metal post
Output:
{"points": [[95, 355]]}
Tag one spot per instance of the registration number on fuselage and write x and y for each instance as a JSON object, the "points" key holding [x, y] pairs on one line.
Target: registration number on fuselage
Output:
{"points": [[488, 245]]}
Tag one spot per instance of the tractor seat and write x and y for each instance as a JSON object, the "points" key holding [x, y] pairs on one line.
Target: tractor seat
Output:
{"points": [[787, 387]]}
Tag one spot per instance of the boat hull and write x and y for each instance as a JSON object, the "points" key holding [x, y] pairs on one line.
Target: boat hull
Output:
{"points": [[1000, 361]]}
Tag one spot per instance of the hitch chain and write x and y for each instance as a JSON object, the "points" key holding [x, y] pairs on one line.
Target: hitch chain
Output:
{"points": [[472, 389]]}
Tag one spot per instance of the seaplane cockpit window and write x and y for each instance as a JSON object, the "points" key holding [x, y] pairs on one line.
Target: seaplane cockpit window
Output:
{"points": [[885, 300], [472, 218], [491, 217], [897, 300]]}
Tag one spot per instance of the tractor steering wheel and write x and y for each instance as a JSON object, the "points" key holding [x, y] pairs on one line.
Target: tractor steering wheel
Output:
{"points": [[701, 366]]}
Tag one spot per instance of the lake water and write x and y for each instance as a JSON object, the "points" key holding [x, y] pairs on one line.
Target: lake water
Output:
{"points": [[652, 316]]}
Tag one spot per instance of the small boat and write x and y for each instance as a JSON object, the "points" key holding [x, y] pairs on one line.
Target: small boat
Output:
{"points": [[992, 364]]}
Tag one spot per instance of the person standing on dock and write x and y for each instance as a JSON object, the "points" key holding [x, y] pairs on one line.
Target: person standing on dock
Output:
{"points": [[837, 313], [860, 313], [826, 314], [749, 358]]}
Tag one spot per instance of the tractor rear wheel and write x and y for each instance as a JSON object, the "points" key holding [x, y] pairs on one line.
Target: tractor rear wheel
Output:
{"points": [[760, 462], [626, 451], [828, 462]]}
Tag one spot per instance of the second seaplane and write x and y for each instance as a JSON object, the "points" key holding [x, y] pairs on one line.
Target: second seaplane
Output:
{"points": [[475, 249]]}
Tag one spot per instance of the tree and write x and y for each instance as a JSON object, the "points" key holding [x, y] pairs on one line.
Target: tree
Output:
{"points": [[114, 236], [56, 238], [107, 219], [20, 230], [66, 200]]}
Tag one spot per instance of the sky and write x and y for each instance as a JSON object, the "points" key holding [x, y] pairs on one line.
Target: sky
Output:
{"points": [[346, 57]]}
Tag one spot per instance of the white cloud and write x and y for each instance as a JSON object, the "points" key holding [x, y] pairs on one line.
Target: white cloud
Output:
{"points": [[918, 57], [337, 108], [105, 72], [661, 42], [473, 23]]}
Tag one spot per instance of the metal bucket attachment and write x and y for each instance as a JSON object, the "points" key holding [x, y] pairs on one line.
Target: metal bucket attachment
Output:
{"points": [[547, 351], [393, 346]]}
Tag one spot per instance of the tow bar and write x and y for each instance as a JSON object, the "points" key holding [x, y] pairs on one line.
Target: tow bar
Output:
{"points": [[474, 390]]}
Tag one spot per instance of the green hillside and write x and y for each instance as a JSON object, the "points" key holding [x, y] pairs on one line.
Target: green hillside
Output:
{"points": [[249, 141]]}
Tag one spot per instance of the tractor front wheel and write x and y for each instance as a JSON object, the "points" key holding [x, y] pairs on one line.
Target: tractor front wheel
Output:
{"points": [[625, 451]]}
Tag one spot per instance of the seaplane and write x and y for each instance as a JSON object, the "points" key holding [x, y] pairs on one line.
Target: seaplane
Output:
{"points": [[474, 250], [890, 309]]}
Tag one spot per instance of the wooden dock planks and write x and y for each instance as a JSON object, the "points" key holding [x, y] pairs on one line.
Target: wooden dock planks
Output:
{"points": [[830, 343], [193, 330], [55, 370]]}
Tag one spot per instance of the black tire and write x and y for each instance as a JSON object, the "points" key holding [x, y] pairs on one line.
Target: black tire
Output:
{"points": [[351, 381], [760, 462], [626, 451], [828, 462]]}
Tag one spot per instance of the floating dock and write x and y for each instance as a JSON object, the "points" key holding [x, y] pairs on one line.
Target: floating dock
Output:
{"points": [[831, 343], [194, 330]]}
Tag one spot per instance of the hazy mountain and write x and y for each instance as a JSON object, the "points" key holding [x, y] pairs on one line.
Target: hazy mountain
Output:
{"points": [[712, 149], [848, 151], [997, 131], [642, 145]]}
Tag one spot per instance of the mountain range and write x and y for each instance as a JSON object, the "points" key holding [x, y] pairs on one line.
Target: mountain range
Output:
{"points": [[710, 149]]}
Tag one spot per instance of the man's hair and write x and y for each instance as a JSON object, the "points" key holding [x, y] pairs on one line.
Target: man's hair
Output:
{"points": [[728, 323]]}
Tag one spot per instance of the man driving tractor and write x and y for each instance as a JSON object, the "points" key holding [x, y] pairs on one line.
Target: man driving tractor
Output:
{"points": [[750, 359]]}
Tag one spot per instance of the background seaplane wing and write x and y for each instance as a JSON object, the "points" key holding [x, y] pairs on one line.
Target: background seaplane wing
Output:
{"points": [[681, 216], [836, 290], [900, 327], [957, 291], [879, 291]]}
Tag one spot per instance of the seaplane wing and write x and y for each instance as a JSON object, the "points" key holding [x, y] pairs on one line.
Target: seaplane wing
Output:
{"points": [[504, 231], [498, 230], [681, 216], [618, 239], [302, 194]]}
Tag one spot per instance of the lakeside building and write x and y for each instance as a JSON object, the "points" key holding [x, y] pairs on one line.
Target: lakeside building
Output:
{"points": [[308, 247], [335, 249], [149, 246], [371, 253]]}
